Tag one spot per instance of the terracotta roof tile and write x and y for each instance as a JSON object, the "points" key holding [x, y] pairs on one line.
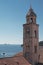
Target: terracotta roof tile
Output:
{"points": [[18, 59]]}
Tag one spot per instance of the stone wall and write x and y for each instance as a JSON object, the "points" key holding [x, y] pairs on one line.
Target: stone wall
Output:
{"points": [[41, 54]]}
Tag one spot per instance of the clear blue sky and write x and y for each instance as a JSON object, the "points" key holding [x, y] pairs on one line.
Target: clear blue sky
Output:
{"points": [[12, 18]]}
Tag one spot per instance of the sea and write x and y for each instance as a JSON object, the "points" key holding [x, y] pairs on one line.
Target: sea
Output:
{"points": [[9, 50]]}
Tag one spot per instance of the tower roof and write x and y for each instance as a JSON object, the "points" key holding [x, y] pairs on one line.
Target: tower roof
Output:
{"points": [[31, 12]]}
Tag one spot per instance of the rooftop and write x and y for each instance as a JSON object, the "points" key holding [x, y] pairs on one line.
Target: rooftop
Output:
{"points": [[15, 60]]}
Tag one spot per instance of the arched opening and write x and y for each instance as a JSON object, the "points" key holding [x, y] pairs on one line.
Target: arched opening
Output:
{"points": [[31, 20]]}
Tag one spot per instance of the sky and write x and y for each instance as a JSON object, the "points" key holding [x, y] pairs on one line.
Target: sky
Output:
{"points": [[13, 16]]}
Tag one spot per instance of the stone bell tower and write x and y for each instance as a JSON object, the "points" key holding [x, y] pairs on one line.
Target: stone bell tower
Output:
{"points": [[31, 38]]}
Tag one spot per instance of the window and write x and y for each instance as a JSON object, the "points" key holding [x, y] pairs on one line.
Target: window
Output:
{"points": [[17, 63], [27, 46], [26, 54], [39, 57], [35, 33], [35, 49], [5, 64], [28, 32]]}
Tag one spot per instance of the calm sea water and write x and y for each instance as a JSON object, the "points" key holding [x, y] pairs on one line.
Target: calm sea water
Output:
{"points": [[9, 50]]}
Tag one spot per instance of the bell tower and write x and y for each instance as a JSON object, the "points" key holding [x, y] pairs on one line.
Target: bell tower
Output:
{"points": [[31, 38]]}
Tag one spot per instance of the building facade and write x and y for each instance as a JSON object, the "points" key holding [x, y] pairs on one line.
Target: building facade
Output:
{"points": [[31, 38]]}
